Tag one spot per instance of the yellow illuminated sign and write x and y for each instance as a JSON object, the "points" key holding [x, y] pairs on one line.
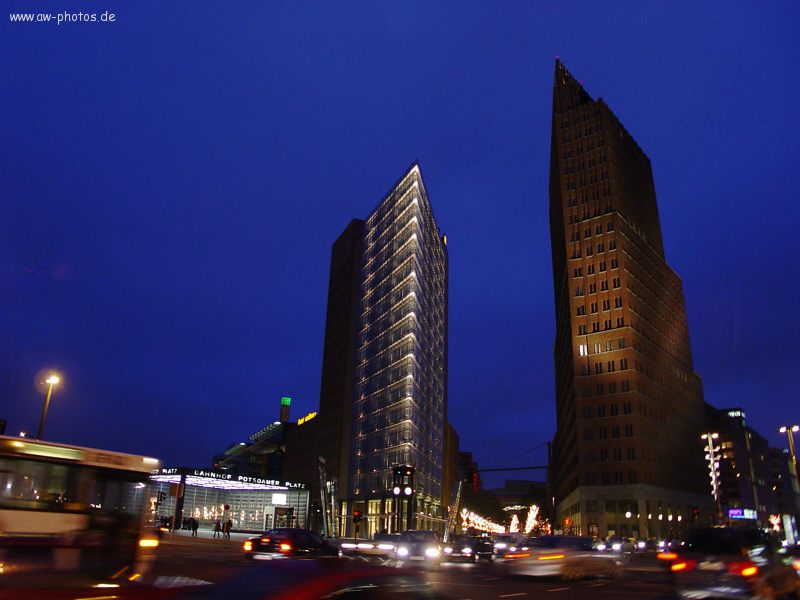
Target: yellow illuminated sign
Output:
{"points": [[307, 418]]}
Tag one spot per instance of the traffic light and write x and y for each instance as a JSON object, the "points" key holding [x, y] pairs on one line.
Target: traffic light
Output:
{"points": [[695, 513], [356, 516]]}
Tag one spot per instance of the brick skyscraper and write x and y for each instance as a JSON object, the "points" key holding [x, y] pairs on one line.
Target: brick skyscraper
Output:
{"points": [[629, 407]]}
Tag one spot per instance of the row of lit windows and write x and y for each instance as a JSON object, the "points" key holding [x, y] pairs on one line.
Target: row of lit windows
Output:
{"points": [[581, 290], [582, 329], [613, 409], [614, 455], [581, 309]]}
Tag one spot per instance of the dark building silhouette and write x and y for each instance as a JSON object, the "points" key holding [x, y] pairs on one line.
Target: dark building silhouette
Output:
{"points": [[627, 457]]}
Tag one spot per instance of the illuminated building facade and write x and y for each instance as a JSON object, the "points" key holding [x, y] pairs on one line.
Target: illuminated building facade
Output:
{"points": [[400, 400], [383, 399], [626, 455]]}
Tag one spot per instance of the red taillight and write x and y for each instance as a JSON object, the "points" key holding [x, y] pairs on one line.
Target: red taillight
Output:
{"points": [[264, 540], [666, 556], [743, 569], [683, 565], [285, 547], [517, 555], [248, 546]]}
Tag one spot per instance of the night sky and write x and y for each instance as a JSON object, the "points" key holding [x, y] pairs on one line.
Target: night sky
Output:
{"points": [[171, 184]]}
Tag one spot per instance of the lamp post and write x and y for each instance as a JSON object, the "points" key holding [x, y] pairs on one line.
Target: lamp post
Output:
{"points": [[51, 383], [713, 467], [789, 430]]}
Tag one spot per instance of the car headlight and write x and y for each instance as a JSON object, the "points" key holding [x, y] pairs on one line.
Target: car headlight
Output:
{"points": [[601, 546], [402, 551], [641, 545], [513, 549], [500, 545], [448, 550], [616, 547], [431, 552], [467, 550]]}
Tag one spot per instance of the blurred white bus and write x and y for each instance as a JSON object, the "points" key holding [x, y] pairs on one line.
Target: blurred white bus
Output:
{"points": [[72, 509]]}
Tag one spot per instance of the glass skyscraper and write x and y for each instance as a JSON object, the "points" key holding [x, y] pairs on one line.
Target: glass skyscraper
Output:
{"points": [[398, 328]]}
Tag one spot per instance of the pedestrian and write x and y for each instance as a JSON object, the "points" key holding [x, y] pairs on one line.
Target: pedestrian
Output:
{"points": [[217, 528], [228, 525], [195, 525]]}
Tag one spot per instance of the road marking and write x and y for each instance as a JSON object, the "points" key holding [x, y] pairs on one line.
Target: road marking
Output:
{"points": [[595, 584], [512, 595], [557, 589]]}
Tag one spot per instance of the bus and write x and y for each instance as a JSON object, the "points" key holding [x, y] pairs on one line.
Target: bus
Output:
{"points": [[72, 510]]}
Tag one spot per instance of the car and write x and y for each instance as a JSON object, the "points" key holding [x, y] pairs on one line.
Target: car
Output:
{"points": [[565, 556], [418, 545], [618, 544], [380, 547], [503, 541], [727, 562], [469, 548], [288, 542]]}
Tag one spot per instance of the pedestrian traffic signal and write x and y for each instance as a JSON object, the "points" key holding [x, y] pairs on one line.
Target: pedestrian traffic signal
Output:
{"points": [[356, 516]]}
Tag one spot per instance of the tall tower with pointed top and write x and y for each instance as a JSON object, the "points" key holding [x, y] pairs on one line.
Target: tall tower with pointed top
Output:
{"points": [[629, 406]]}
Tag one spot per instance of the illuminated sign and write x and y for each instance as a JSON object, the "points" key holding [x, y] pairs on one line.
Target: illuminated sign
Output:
{"points": [[286, 401], [742, 513], [307, 418], [279, 499]]}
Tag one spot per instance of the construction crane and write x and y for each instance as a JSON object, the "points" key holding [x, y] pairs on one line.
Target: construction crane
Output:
{"points": [[453, 518]]}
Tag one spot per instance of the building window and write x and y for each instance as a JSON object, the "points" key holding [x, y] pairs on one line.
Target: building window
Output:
{"points": [[609, 345], [614, 263], [617, 454], [617, 302], [580, 310], [602, 266], [590, 269], [579, 290], [615, 431], [621, 343], [604, 478], [599, 388], [601, 248], [589, 251], [587, 412], [607, 324], [578, 272], [595, 327], [626, 386], [616, 282], [597, 347], [598, 368], [612, 245], [584, 369], [620, 321], [614, 412], [610, 226], [618, 479], [631, 476], [631, 454], [581, 329], [601, 412], [628, 430], [626, 408], [604, 455], [582, 350], [594, 307], [606, 304], [623, 363], [604, 285], [587, 233], [592, 288], [612, 387], [598, 230]]}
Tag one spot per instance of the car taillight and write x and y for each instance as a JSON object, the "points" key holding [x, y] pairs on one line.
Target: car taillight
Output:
{"points": [[148, 542], [248, 546], [550, 557], [666, 556], [683, 565], [517, 555], [743, 569], [285, 547], [264, 540]]}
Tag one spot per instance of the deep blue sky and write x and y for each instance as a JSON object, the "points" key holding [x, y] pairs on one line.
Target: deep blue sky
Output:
{"points": [[171, 185]]}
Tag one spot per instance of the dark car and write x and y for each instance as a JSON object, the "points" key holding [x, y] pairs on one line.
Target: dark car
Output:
{"points": [[726, 562], [418, 545], [288, 542], [469, 548]]}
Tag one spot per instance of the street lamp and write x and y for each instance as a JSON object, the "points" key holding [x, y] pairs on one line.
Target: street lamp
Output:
{"points": [[788, 430], [51, 382]]}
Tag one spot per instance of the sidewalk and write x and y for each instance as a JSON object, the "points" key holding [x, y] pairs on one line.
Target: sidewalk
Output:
{"points": [[207, 534]]}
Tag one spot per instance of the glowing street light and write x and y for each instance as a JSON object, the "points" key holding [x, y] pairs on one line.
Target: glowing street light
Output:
{"points": [[788, 430], [51, 382]]}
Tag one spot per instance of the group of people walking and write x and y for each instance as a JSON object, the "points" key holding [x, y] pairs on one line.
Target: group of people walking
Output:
{"points": [[223, 530]]}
